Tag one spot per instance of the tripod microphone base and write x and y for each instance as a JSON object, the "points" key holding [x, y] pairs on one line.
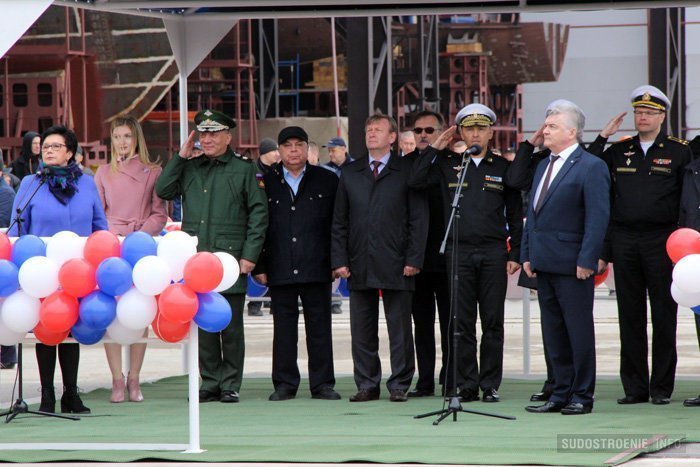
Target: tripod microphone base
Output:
{"points": [[454, 407], [20, 407]]}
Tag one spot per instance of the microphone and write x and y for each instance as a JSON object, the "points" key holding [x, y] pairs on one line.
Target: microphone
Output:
{"points": [[475, 149]]}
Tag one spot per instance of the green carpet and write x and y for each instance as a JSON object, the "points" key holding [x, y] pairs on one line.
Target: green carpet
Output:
{"points": [[306, 430]]}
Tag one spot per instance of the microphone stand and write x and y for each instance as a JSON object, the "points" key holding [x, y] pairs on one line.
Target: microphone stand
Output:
{"points": [[20, 406], [455, 404]]}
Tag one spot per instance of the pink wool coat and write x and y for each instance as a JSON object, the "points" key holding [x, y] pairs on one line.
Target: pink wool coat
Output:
{"points": [[129, 198]]}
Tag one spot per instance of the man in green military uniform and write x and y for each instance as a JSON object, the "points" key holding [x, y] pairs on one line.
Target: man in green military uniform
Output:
{"points": [[225, 207]]}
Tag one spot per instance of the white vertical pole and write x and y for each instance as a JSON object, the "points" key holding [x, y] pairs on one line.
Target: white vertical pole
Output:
{"points": [[193, 380], [184, 127]]}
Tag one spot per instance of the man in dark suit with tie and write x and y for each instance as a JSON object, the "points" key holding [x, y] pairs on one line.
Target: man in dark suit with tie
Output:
{"points": [[562, 242], [379, 232]]}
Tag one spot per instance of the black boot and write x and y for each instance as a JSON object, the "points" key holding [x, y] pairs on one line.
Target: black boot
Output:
{"points": [[48, 400], [71, 402]]}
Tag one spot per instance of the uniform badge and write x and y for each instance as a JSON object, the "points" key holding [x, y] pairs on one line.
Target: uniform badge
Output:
{"points": [[662, 161], [259, 179], [493, 178]]}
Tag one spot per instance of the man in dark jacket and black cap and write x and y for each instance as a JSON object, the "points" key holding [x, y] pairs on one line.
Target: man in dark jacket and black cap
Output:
{"points": [[28, 161], [296, 264]]}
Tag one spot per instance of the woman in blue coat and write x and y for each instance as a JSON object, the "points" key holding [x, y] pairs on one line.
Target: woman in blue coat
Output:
{"points": [[64, 200]]}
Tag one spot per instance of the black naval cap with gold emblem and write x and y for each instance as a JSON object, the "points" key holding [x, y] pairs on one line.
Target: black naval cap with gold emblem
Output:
{"points": [[651, 97], [475, 115], [211, 120]]}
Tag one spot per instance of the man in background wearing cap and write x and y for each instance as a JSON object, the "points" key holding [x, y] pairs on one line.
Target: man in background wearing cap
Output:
{"points": [[432, 285], [379, 231], [647, 177], [338, 155], [296, 264], [222, 221], [269, 156], [489, 213]]}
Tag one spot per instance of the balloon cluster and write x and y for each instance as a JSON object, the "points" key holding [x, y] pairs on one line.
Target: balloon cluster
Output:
{"points": [[96, 286], [683, 247]]}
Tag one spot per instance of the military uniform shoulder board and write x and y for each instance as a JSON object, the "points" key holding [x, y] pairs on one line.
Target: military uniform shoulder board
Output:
{"points": [[677, 140], [241, 157]]}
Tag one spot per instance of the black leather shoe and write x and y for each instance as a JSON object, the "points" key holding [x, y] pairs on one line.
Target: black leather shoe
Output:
{"points": [[281, 395], [365, 395], [548, 407], [692, 402], [206, 396], [71, 402], [660, 400], [633, 400], [326, 393], [398, 395], [230, 397], [576, 408], [490, 395], [420, 393], [542, 396]]}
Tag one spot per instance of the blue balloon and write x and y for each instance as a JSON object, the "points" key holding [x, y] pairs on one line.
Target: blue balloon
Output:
{"points": [[27, 246], [98, 310], [8, 278], [255, 288], [696, 309], [114, 276], [136, 245], [214, 312], [85, 334]]}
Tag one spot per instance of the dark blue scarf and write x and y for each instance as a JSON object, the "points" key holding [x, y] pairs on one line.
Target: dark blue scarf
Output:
{"points": [[62, 180]]}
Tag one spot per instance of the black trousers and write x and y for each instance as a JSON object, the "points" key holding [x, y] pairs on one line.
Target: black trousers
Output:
{"points": [[641, 265], [68, 357], [431, 288], [364, 331], [221, 354], [316, 300], [566, 307], [482, 280]]}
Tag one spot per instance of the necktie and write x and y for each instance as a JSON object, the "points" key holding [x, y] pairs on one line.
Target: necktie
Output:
{"points": [[545, 186], [375, 168]]}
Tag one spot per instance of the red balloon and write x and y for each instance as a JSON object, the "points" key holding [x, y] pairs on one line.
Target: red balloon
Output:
{"points": [[59, 312], [168, 331], [49, 337], [178, 303], [6, 247], [77, 277], [101, 245], [600, 278], [203, 272], [681, 243]]}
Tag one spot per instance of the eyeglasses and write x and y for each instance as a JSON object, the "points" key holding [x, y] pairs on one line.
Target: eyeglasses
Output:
{"points": [[428, 130], [53, 147], [644, 113]]}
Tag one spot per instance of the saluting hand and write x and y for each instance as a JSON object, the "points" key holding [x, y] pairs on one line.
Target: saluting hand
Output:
{"points": [[445, 138], [538, 138], [187, 148], [613, 125]]}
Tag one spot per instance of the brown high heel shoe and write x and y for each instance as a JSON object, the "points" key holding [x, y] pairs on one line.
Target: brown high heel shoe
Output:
{"points": [[118, 390], [134, 387]]}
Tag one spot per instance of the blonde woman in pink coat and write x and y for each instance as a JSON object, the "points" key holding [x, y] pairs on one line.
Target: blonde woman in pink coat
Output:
{"points": [[126, 188]]}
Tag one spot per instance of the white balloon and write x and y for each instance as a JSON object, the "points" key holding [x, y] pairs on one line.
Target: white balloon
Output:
{"points": [[123, 335], [176, 248], [10, 337], [686, 274], [231, 271], [151, 275], [63, 246], [136, 310], [684, 299], [38, 276], [20, 312]]}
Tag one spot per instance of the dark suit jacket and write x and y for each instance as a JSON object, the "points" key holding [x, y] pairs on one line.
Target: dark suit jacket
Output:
{"points": [[570, 227], [378, 226], [298, 242]]}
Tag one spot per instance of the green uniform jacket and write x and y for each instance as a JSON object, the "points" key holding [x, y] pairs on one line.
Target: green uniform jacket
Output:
{"points": [[222, 204]]}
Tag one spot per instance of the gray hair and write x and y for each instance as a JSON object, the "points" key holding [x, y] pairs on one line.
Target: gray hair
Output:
{"points": [[407, 134], [573, 114]]}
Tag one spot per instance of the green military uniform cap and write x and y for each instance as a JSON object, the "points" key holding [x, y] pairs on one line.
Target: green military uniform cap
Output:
{"points": [[212, 120]]}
